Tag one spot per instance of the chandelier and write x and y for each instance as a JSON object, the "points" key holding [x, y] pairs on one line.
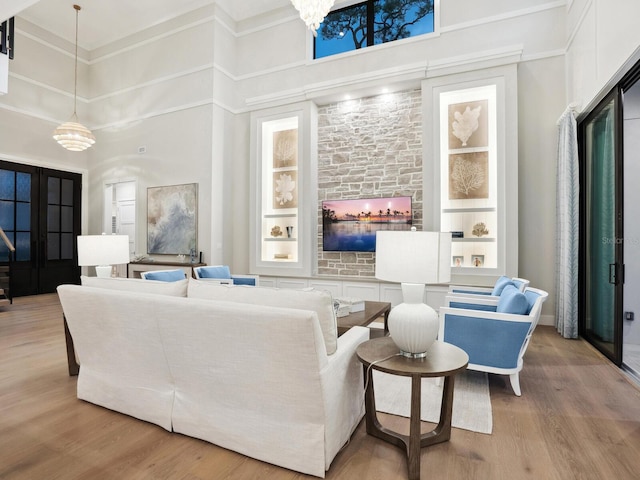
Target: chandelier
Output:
{"points": [[72, 135], [312, 12]]}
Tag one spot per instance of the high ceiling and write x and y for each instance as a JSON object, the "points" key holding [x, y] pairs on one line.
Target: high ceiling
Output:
{"points": [[104, 21]]}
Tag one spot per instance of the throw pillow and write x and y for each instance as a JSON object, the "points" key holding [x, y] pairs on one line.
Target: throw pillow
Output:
{"points": [[164, 275], [500, 284], [512, 301], [217, 271]]}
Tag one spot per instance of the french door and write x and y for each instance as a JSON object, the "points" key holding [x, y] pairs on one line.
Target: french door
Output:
{"points": [[40, 213], [601, 228]]}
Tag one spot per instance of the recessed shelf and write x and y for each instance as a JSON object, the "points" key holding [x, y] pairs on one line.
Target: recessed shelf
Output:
{"points": [[474, 240], [469, 210], [281, 215]]}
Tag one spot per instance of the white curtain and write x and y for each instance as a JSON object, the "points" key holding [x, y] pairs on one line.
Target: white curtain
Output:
{"points": [[567, 204]]}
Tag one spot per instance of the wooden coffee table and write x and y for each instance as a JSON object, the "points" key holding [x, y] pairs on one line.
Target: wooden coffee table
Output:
{"points": [[372, 311], [442, 360]]}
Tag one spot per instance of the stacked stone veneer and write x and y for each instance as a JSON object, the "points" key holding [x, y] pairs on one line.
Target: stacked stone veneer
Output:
{"points": [[371, 147]]}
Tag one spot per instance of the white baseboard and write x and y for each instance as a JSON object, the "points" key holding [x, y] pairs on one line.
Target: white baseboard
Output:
{"points": [[547, 320]]}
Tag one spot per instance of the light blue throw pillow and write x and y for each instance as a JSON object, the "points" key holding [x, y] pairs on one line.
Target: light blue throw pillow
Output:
{"points": [[221, 271], [165, 275], [512, 301], [500, 284]]}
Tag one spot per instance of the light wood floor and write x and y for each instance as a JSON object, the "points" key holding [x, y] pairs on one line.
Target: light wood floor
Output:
{"points": [[578, 418]]}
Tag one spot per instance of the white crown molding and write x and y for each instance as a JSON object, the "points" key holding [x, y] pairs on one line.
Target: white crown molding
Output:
{"points": [[157, 113], [471, 61], [579, 23], [44, 86], [155, 81], [475, 61], [153, 39], [52, 47], [21, 111], [505, 16]]}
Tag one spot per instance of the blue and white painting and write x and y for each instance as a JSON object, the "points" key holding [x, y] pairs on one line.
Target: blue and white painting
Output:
{"points": [[172, 219]]}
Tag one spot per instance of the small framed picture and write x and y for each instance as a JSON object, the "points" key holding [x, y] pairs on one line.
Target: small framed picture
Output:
{"points": [[477, 260], [457, 261]]}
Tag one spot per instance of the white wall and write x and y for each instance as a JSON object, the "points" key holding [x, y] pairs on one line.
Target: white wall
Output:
{"points": [[184, 89], [603, 39]]}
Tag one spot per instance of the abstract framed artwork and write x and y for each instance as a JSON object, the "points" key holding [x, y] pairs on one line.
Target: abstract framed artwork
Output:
{"points": [[469, 175], [285, 189], [172, 219], [285, 148], [468, 125]]}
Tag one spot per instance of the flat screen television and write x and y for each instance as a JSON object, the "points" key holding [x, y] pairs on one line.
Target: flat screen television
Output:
{"points": [[351, 225]]}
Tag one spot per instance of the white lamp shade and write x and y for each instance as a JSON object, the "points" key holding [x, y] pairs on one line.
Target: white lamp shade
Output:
{"points": [[413, 257], [103, 250]]}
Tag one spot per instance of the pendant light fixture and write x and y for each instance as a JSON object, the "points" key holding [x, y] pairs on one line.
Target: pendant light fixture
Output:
{"points": [[312, 12], [72, 135]]}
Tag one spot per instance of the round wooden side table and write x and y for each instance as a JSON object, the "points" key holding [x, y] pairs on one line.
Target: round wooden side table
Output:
{"points": [[442, 360]]}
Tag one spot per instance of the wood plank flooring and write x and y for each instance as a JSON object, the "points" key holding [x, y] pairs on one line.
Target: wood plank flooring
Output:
{"points": [[578, 418]]}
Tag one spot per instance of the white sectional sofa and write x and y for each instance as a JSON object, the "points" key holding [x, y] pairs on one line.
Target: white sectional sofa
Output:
{"points": [[261, 372]]}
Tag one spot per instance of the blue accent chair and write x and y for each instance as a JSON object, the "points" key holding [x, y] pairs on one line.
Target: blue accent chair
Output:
{"points": [[495, 340], [221, 274], [164, 275]]}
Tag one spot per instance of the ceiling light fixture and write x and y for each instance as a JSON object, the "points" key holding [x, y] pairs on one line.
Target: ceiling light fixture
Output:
{"points": [[312, 12], [72, 135]]}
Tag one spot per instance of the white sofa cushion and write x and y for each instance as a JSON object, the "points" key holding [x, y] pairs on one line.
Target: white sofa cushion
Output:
{"points": [[318, 301], [137, 285]]}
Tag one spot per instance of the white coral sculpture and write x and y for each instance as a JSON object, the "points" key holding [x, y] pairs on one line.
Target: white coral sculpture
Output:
{"points": [[467, 176], [284, 189], [466, 123]]}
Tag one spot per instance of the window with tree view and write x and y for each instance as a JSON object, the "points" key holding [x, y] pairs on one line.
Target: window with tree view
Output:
{"points": [[371, 23]]}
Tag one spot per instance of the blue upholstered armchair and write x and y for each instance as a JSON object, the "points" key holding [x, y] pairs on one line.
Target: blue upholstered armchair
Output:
{"points": [[494, 333], [222, 274]]}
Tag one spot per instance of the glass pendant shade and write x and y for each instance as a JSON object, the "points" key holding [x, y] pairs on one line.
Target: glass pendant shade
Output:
{"points": [[72, 135], [312, 12]]}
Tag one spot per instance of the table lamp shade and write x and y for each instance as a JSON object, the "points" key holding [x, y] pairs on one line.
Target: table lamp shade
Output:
{"points": [[413, 257], [96, 250]]}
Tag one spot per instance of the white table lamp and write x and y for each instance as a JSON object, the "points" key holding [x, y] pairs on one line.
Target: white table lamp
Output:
{"points": [[413, 259], [103, 251]]}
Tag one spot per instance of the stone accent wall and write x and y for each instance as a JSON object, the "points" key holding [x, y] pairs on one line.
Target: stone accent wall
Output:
{"points": [[367, 148]]}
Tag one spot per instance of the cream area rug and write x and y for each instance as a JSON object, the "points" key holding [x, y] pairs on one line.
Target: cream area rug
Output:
{"points": [[471, 400]]}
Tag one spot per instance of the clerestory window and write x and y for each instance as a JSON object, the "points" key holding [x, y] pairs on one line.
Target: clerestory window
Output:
{"points": [[371, 23]]}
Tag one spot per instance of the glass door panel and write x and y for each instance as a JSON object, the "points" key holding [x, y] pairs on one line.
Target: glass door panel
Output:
{"points": [[601, 263]]}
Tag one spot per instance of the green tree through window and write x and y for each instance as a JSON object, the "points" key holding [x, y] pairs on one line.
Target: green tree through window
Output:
{"points": [[373, 22]]}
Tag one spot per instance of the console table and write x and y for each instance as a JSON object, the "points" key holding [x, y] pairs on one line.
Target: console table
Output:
{"points": [[134, 268], [442, 360], [372, 311]]}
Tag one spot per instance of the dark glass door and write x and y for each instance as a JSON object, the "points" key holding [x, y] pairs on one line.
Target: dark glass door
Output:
{"points": [[40, 213], [601, 266]]}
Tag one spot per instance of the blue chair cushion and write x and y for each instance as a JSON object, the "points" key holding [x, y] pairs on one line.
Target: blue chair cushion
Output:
{"points": [[221, 271], [500, 284], [512, 301], [244, 281], [166, 276]]}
